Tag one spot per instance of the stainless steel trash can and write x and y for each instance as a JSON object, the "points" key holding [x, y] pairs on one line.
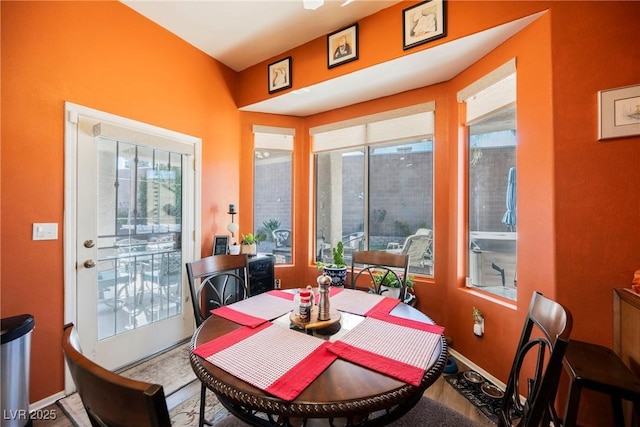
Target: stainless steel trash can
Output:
{"points": [[14, 369]]}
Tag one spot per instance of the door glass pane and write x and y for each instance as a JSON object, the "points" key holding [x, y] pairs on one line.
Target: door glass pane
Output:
{"points": [[139, 224], [272, 202], [340, 202], [401, 201], [492, 203]]}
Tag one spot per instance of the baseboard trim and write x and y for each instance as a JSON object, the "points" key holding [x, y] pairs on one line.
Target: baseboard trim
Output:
{"points": [[46, 401], [478, 369]]}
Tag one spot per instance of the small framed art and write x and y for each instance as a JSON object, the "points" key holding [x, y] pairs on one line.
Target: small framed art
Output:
{"points": [[220, 245], [619, 112], [279, 74], [342, 46], [424, 22]]}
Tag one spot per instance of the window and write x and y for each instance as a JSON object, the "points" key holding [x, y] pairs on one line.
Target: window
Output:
{"points": [[491, 121], [272, 198], [374, 186]]}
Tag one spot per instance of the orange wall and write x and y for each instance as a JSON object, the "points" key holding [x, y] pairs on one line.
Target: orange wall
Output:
{"points": [[105, 56]]}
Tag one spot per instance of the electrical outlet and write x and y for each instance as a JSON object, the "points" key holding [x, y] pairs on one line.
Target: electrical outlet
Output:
{"points": [[277, 283]]}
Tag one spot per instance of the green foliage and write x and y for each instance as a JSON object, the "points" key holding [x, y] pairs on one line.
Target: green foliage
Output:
{"points": [[388, 279], [338, 258], [477, 315], [403, 229], [268, 227], [338, 255]]}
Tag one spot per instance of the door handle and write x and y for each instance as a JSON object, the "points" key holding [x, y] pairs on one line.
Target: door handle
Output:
{"points": [[89, 263], [89, 243]]}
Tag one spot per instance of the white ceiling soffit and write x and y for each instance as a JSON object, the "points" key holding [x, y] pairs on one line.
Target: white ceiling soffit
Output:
{"points": [[423, 68], [242, 33]]}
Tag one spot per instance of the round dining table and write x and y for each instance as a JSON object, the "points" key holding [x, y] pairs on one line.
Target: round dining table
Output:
{"points": [[344, 394]]}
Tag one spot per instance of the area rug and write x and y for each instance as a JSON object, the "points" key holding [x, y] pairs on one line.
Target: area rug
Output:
{"points": [[171, 369], [472, 390]]}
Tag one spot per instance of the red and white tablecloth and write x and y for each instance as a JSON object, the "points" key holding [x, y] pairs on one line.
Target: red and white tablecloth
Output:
{"points": [[359, 302], [391, 345], [257, 310], [277, 360]]}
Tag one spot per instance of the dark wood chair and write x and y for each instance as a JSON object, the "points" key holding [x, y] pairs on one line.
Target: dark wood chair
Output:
{"points": [[385, 264], [112, 400], [216, 281], [544, 340], [598, 368]]}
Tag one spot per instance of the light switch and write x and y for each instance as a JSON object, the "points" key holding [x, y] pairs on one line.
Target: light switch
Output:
{"points": [[45, 231]]}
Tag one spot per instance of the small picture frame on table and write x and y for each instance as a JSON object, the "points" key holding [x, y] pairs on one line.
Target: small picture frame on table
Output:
{"points": [[424, 22], [279, 74], [220, 245], [619, 112], [342, 46]]}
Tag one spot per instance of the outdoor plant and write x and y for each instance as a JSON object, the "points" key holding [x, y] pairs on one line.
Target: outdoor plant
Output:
{"points": [[268, 227]]}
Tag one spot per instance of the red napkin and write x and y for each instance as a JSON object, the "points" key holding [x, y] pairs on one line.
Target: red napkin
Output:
{"points": [[238, 317]]}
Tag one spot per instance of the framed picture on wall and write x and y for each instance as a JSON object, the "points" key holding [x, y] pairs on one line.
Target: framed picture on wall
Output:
{"points": [[279, 73], [342, 46], [424, 22], [220, 245], [619, 112]]}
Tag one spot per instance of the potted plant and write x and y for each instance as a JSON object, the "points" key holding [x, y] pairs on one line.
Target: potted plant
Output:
{"points": [[389, 283], [249, 243], [338, 269]]}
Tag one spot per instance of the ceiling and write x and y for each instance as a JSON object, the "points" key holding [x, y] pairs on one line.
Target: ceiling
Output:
{"points": [[242, 33], [231, 31]]}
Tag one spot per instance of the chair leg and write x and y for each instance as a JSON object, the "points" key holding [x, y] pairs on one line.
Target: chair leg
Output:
{"points": [[618, 416], [573, 401], [203, 401]]}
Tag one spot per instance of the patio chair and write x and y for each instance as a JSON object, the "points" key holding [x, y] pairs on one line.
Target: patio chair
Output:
{"points": [[163, 274], [282, 237], [418, 247], [353, 241]]}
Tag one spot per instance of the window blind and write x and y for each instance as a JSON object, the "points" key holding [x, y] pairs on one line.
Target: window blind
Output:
{"points": [[174, 142], [410, 122], [492, 92], [273, 138]]}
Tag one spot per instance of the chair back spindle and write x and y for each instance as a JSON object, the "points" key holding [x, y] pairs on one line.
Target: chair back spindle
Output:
{"points": [[386, 264], [216, 281]]}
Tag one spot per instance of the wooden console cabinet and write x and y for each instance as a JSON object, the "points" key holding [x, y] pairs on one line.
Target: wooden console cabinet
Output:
{"points": [[626, 327]]}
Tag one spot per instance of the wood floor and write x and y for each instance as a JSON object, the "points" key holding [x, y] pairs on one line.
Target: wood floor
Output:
{"points": [[440, 391]]}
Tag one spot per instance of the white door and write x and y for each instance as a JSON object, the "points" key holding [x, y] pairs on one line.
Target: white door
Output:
{"points": [[134, 207]]}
